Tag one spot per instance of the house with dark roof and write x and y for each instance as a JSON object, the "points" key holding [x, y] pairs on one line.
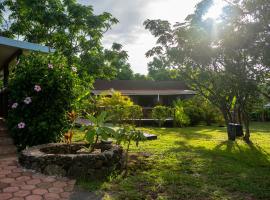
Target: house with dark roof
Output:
{"points": [[146, 93]]}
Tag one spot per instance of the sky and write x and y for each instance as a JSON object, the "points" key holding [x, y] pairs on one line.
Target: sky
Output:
{"points": [[130, 31]]}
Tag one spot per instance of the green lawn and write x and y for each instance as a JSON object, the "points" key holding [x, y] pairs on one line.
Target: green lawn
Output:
{"points": [[195, 163]]}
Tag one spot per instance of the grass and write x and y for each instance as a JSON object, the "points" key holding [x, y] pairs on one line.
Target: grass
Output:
{"points": [[194, 163]]}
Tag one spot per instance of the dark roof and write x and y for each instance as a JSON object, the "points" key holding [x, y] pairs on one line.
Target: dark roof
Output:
{"points": [[139, 87]]}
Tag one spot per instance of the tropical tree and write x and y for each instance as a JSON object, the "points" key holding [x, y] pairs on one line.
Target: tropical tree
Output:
{"points": [[159, 69], [117, 59], [65, 25], [138, 76], [216, 58]]}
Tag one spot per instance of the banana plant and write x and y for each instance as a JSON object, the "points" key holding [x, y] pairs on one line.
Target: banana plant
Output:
{"points": [[97, 130]]}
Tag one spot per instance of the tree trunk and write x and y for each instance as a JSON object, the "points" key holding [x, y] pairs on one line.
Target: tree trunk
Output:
{"points": [[227, 118], [247, 130]]}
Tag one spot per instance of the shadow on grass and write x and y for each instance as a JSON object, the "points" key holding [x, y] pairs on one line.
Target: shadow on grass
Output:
{"points": [[262, 127], [229, 170], [204, 132]]}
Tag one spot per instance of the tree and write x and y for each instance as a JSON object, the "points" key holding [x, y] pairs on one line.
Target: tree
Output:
{"points": [[159, 70], [214, 57], [117, 59], [138, 76], [65, 25]]}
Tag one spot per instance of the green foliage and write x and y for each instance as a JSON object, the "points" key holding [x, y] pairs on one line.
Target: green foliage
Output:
{"points": [[195, 163], [114, 98], [138, 76], [97, 130], [261, 115], [117, 59], [71, 28], [41, 91], [181, 119], [119, 107], [158, 70], [193, 110], [219, 59], [161, 113], [199, 109], [126, 135], [134, 112]]}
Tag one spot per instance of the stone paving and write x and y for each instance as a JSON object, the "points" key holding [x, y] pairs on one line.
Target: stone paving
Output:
{"points": [[19, 184]]}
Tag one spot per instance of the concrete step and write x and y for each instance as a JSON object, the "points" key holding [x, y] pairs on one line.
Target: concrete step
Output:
{"points": [[8, 149], [2, 123], [3, 128], [4, 134], [6, 141], [8, 156]]}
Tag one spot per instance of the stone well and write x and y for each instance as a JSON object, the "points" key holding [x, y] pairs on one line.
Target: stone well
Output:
{"points": [[64, 160]]}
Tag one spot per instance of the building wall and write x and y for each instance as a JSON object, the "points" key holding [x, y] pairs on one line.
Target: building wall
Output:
{"points": [[153, 100]]}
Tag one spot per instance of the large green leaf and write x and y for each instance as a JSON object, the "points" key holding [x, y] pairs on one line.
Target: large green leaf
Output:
{"points": [[90, 135], [101, 118], [92, 119]]}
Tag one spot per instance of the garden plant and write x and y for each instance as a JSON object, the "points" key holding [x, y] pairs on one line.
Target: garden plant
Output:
{"points": [[97, 130], [42, 89]]}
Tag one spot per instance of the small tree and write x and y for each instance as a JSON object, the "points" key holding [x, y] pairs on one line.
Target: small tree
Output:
{"points": [[160, 114], [97, 130], [134, 112], [126, 135], [115, 104], [181, 119]]}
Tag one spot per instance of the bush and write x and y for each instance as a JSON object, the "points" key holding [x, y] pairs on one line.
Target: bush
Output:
{"points": [[119, 107], [199, 109], [192, 108], [181, 119], [160, 114], [41, 91], [135, 112], [114, 98]]}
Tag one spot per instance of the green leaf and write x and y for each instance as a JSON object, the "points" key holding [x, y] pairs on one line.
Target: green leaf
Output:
{"points": [[92, 119], [90, 135]]}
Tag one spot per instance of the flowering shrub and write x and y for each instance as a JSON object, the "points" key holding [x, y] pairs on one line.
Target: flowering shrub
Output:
{"points": [[41, 91]]}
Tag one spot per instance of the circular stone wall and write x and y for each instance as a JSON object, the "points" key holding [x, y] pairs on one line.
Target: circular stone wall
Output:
{"points": [[64, 160]]}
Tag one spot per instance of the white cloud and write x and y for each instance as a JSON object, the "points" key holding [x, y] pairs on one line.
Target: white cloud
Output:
{"points": [[130, 30]]}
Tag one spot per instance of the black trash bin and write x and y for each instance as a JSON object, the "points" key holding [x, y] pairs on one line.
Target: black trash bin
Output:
{"points": [[239, 130], [231, 131]]}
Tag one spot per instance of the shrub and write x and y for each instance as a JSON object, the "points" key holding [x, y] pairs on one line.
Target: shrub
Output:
{"points": [[114, 98], [41, 91], [160, 114], [199, 109], [192, 108], [119, 107], [135, 112], [181, 119]]}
